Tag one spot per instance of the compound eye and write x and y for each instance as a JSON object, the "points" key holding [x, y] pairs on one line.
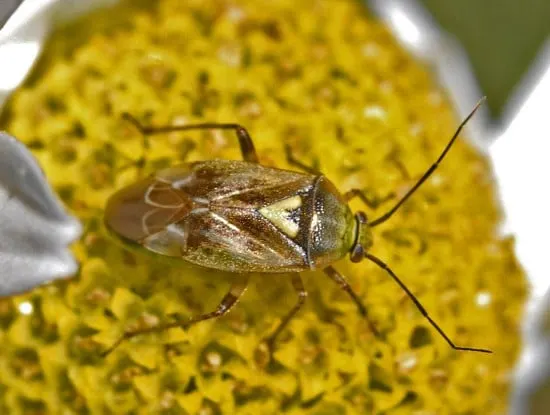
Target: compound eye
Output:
{"points": [[357, 253]]}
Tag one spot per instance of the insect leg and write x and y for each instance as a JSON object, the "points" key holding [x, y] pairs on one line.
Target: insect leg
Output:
{"points": [[382, 265], [371, 202], [293, 161], [236, 290], [344, 285], [245, 141], [302, 295]]}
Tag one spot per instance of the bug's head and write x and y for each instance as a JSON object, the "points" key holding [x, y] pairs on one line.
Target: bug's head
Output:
{"points": [[363, 238]]}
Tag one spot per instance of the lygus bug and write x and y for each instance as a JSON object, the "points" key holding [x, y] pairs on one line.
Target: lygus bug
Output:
{"points": [[243, 217]]}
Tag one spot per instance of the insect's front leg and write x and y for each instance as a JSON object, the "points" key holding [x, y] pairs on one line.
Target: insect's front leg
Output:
{"points": [[236, 290], [370, 201], [339, 279], [245, 141]]}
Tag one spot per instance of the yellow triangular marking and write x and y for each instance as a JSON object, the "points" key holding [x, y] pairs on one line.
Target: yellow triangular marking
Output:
{"points": [[279, 212]]}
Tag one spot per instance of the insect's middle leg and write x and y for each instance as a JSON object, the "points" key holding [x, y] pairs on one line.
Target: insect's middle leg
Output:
{"points": [[293, 161], [302, 295], [245, 141], [236, 290], [339, 279]]}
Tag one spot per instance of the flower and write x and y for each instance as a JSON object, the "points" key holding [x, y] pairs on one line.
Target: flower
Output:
{"points": [[329, 81], [35, 230]]}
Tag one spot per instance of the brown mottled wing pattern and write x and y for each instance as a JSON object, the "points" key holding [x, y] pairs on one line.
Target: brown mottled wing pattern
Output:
{"points": [[225, 229], [208, 214], [234, 183]]}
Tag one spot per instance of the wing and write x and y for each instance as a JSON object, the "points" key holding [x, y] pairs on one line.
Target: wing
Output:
{"points": [[234, 183], [240, 240], [222, 214], [145, 208], [252, 219]]}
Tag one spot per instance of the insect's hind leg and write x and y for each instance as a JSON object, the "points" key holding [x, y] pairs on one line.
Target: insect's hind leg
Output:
{"points": [[236, 290], [302, 295], [245, 141], [339, 279]]}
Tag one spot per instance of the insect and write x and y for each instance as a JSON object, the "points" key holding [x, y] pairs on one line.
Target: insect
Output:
{"points": [[242, 217]]}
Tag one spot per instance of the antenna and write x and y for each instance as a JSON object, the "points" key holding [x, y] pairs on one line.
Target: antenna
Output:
{"points": [[428, 172]]}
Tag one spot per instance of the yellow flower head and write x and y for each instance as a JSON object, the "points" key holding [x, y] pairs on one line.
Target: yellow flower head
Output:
{"points": [[326, 79]]}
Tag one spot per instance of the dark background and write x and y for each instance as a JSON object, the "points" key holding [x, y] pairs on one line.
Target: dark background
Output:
{"points": [[502, 37]]}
